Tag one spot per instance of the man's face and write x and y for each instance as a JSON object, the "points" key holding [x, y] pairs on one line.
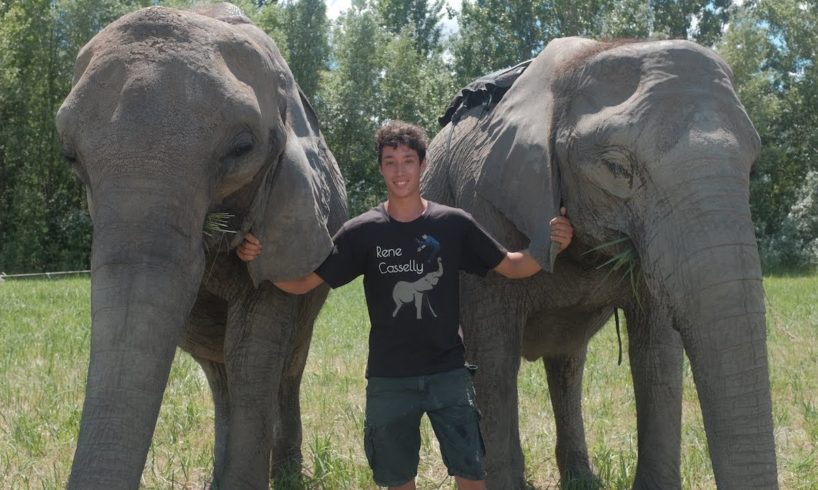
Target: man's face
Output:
{"points": [[401, 169]]}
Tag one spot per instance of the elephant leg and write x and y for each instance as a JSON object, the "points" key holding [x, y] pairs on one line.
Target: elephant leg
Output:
{"points": [[418, 305], [492, 331], [564, 375], [429, 303], [286, 454], [564, 361], [656, 355], [217, 379], [260, 327]]}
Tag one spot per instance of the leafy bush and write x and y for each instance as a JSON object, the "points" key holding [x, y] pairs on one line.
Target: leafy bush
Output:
{"points": [[796, 246]]}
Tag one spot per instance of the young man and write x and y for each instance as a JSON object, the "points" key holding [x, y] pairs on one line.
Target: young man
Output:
{"points": [[410, 251]]}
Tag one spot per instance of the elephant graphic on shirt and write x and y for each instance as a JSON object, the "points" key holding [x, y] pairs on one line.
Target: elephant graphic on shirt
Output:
{"points": [[406, 291]]}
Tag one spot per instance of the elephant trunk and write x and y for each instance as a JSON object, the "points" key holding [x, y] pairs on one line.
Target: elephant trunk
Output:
{"points": [[145, 275], [708, 270]]}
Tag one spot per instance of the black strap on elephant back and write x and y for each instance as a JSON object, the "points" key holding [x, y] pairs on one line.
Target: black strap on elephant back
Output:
{"points": [[486, 91]]}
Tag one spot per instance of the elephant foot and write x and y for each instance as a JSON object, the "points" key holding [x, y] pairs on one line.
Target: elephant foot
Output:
{"points": [[286, 470], [505, 480], [587, 481], [577, 474], [290, 478]]}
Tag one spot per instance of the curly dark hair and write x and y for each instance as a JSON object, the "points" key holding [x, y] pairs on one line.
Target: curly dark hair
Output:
{"points": [[394, 133]]}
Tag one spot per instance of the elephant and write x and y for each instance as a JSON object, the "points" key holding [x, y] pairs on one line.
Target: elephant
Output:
{"points": [[407, 292], [174, 116], [648, 147]]}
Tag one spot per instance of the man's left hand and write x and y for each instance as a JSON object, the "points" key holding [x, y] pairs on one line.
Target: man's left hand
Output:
{"points": [[250, 247], [561, 230]]}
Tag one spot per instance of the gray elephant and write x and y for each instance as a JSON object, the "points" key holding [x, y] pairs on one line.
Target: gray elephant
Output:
{"points": [[174, 115], [650, 150], [408, 292]]}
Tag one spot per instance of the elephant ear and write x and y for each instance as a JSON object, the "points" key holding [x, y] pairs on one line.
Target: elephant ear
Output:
{"points": [[301, 201], [289, 215], [520, 176]]}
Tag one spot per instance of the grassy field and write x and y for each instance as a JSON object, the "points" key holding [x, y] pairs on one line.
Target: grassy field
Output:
{"points": [[44, 337]]}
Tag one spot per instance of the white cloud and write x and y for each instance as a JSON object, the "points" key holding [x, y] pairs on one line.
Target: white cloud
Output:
{"points": [[335, 7]]}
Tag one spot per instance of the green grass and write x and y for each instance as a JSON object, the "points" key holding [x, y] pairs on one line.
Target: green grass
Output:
{"points": [[44, 336]]}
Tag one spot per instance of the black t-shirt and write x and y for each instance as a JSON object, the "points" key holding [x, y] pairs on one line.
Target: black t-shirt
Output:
{"points": [[411, 283]]}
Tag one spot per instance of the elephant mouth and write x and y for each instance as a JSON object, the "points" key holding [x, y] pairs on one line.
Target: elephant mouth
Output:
{"points": [[618, 259]]}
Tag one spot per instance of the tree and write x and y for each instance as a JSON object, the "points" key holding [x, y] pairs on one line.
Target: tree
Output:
{"points": [[42, 205], [631, 19], [306, 38], [494, 34], [413, 88], [346, 101], [301, 31], [420, 16], [498, 33], [376, 75], [699, 20], [771, 46]]}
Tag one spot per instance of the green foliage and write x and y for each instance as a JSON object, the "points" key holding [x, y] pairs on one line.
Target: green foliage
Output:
{"points": [[499, 33], [377, 75], [386, 59], [699, 20], [418, 19], [628, 19], [495, 34], [795, 247], [306, 30], [272, 19], [771, 46], [346, 100], [44, 225], [413, 87], [300, 29]]}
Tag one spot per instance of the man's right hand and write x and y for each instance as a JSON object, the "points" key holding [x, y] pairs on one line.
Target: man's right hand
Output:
{"points": [[250, 248]]}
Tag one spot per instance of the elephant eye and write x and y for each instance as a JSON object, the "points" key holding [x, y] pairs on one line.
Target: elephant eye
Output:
{"points": [[242, 149], [69, 155], [616, 169], [618, 162], [241, 145], [613, 170]]}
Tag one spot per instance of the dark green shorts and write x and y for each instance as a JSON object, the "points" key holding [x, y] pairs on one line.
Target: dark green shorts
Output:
{"points": [[394, 407]]}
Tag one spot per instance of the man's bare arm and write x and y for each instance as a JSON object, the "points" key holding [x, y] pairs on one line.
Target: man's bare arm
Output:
{"points": [[517, 265], [301, 285], [250, 249]]}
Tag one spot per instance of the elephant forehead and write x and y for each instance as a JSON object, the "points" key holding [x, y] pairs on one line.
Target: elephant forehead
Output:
{"points": [[665, 68], [160, 23], [144, 78], [157, 36], [668, 89]]}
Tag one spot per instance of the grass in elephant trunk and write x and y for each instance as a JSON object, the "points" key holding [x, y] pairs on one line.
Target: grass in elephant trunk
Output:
{"points": [[217, 223], [44, 335]]}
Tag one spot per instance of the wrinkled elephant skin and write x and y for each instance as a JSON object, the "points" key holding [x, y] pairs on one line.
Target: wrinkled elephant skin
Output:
{"points": [[172, 116], [645, 143]]}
